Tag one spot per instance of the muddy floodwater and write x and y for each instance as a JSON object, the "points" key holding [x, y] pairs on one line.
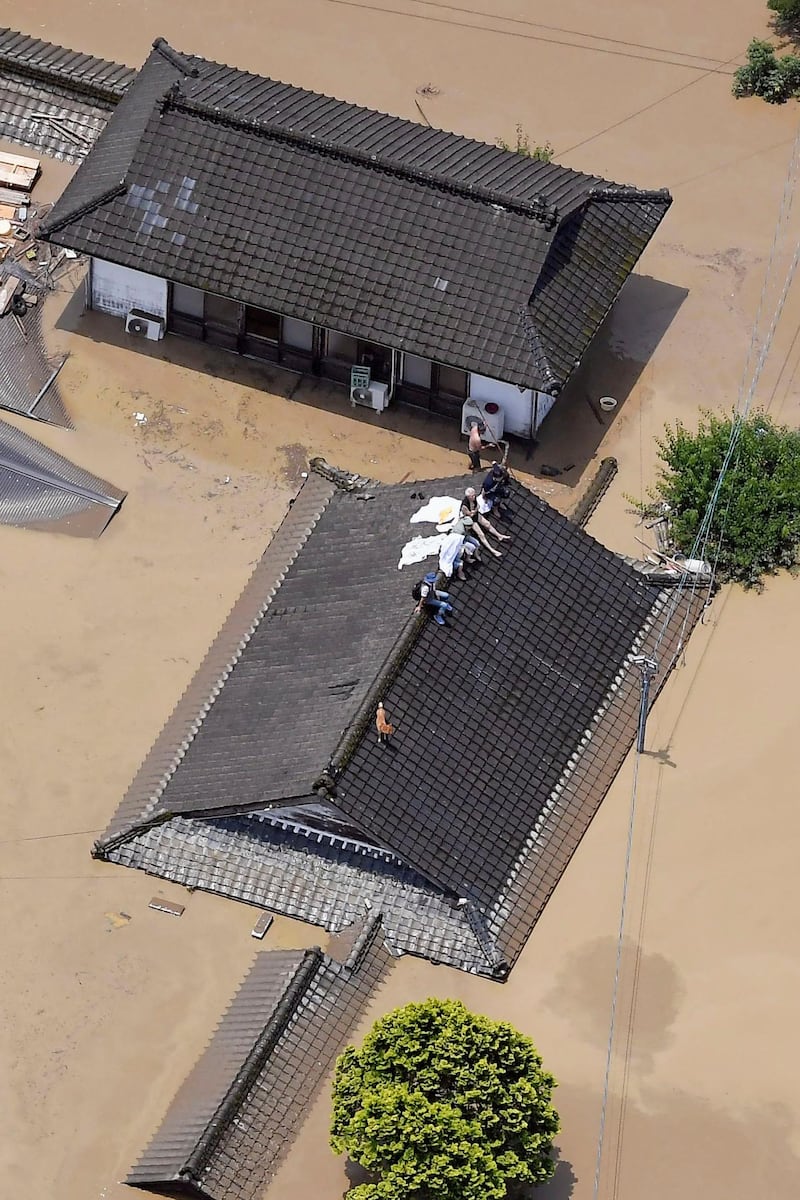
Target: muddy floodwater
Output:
{"points": [[106, 1004]]}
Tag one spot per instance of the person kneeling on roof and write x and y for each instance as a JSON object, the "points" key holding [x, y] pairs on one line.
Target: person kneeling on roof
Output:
{"points": [[495, 491], [429, 596]]}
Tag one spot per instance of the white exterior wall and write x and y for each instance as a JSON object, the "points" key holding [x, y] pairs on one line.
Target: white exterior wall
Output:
{"points": [[117, 290], [298, 333], [546, 402], [517, 405]]}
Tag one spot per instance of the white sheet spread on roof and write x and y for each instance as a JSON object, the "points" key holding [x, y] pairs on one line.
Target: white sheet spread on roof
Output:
{"points": [[437, 510], [420, 548]]}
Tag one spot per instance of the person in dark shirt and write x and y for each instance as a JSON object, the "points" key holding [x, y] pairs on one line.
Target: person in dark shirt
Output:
{"points": [[495, 490]]}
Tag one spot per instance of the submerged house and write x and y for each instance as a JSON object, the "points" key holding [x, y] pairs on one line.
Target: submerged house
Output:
{"points": [[268, 783], [298, 229]]}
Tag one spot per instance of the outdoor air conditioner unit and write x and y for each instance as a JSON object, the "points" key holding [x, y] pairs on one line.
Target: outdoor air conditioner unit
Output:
{"points": [[488, 411], [142, 324], [375, 395]]}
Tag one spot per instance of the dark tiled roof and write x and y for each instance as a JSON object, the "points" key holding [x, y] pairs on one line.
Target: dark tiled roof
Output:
{"points": [[55, 100], [511, 724], [489, 713], [307, 875], [328, 212], [236, 1113], [41, 490], [35, 59], [596, 249]]}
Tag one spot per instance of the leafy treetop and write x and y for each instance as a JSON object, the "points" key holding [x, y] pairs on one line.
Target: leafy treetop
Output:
{"points": [[441, 1103], [756, 525]]}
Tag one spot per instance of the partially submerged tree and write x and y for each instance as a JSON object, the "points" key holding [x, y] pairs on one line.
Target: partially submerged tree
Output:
{"points": [[755, 529], [775, 79], [441, 1103]]}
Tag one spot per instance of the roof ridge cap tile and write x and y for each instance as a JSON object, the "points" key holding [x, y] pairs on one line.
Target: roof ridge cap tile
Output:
{"points": [[295, 990], [539, 208], [140, 805]]}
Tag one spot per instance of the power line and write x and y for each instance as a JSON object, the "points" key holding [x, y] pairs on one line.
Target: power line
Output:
{"points": [[746, 393], [43, 837], [744, 402], [531, 37], [617, 970]]}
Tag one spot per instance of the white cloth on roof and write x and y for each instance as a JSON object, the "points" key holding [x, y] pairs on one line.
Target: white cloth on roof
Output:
{"points": [[484, 505], [451, 548], [439, 509], [418, 549]]}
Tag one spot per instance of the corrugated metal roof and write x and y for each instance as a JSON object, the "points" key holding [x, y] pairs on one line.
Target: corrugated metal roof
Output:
{"points": [[40, 489], [27, 373]]}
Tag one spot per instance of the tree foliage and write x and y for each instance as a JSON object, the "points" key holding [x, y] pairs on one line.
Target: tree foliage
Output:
{"points": [[443, 1104], [756, 525], [787, 12], [775, 79]]}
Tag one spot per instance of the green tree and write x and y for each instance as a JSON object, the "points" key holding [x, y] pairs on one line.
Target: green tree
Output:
{"points": [[443, 1104], [756, 525], [787, 12], [774, 79]]}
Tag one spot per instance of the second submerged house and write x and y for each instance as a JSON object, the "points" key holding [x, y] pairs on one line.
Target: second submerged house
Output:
{"points": [[298, 229]]}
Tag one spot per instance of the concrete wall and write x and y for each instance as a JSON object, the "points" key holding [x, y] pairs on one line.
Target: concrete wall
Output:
{"points": [[117, 290], [516, 405]]}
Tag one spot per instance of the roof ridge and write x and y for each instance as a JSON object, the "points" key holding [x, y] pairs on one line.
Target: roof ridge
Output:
{"points": [[539, 209], [138, 808], [49, 225], [619, 191], [245, 1077], [174, 58], [541, 363]]}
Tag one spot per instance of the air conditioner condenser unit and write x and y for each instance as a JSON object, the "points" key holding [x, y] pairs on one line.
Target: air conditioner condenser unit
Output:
{"points": [[375, 396], [142, 324]]}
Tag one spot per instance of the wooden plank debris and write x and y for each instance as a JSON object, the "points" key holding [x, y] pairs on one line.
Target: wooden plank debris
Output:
{"points": [[166, 906], [18, 172], [8, 291], [262, 925]]}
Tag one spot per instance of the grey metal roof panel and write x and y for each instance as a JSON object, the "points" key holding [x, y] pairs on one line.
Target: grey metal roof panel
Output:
{"points": [[27, 373], [40, 489], [233, 1118]]}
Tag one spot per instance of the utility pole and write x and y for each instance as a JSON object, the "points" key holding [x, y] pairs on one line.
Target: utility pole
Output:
{"points": [[649, 669]]}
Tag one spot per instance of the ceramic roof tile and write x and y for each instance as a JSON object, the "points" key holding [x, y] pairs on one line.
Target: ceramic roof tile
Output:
{"points": [[349, 217]]}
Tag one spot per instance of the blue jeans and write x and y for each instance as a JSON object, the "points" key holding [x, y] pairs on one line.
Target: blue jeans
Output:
{"points": [[439, 606]]}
